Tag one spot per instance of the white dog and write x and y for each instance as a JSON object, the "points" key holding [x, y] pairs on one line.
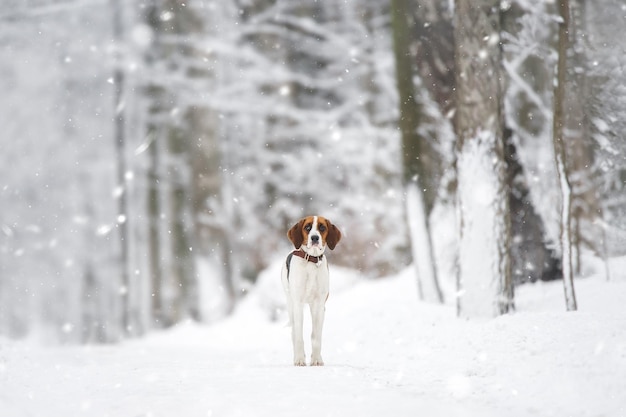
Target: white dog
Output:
{"points": [[305, 281]]}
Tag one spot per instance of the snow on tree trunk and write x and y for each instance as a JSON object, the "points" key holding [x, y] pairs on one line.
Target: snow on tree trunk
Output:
{"points": [[560, 159], [484, 273], [482, 211], [566, 238], [421, 244]]}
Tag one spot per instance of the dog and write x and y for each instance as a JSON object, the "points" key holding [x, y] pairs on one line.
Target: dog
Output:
{"points": [[305, 281]]}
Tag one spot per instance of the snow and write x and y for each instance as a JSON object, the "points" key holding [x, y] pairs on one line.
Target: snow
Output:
{"points": [[386, 354], [566, 239], [421, 246], [482, 227]]}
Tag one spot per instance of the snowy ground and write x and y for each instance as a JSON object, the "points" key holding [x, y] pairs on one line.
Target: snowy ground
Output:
{"points": [[385, 353]]}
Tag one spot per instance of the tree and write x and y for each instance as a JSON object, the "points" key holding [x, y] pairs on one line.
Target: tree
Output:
{"points": [[417, 159], [119, 137], [582, 175], [175, 126], [606, 113], [155, 108], [433, 39], [528, 63], [310, 105], [560, 155], [58, 205], [484, 275]]}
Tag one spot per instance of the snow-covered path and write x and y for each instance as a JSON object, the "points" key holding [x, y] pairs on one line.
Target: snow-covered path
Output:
{"points": [[385, 354], [191, 381]]}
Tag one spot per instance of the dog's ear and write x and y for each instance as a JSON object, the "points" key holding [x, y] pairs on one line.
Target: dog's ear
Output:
{"points": [[334, 236], [295, 234]]}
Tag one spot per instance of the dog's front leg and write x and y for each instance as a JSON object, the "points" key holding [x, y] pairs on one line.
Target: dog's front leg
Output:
{"points": [[296, 334], [317, 316]]}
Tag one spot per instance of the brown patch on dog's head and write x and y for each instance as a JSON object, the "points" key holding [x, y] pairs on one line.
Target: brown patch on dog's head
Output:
{"points": [[329, 233], [296, 233]]}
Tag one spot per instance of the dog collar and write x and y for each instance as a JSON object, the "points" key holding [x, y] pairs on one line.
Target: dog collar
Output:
{"points": [[302, 254]]}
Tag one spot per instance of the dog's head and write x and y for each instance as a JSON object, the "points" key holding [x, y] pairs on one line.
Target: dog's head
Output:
{"points": [[313, 233]]}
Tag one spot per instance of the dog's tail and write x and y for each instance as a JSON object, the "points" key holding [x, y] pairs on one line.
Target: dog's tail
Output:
{"points": [[285, 282], [288, 263]]}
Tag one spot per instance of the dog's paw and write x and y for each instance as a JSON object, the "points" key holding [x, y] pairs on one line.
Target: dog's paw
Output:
{"points": [[317, 362], [299, 362]]}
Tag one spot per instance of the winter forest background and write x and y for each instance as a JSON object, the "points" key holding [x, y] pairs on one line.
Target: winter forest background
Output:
{"points": [[155, 152]]}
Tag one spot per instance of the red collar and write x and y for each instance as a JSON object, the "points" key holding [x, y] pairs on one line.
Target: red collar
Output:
{"points": [[302, 254]]}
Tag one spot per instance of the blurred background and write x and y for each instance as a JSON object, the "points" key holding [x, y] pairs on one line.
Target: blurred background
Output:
{"points": [[154, 153]]}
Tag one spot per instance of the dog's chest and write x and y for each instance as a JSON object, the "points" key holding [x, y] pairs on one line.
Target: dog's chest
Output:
{"points": [[310, 280]]}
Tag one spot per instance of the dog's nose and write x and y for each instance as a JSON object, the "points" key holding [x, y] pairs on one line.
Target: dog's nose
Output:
{"points": [[315, 238]]}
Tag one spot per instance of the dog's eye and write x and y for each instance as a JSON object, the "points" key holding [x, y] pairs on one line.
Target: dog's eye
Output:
{"points": [[322, 227], [308, 227]]}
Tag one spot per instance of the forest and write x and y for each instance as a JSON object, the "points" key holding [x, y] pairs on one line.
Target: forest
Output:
{"points": [[155, 152]]}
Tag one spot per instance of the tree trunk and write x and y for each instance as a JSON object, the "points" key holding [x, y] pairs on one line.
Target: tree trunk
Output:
{"points": [[484, 273], [212, 205], [423, 253], [560, 156], [185, 157], [416, 161], [182, 225], [122, 192], [156, 109], [579, 156], [155, 260], [432, 34], [169, 212]]}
